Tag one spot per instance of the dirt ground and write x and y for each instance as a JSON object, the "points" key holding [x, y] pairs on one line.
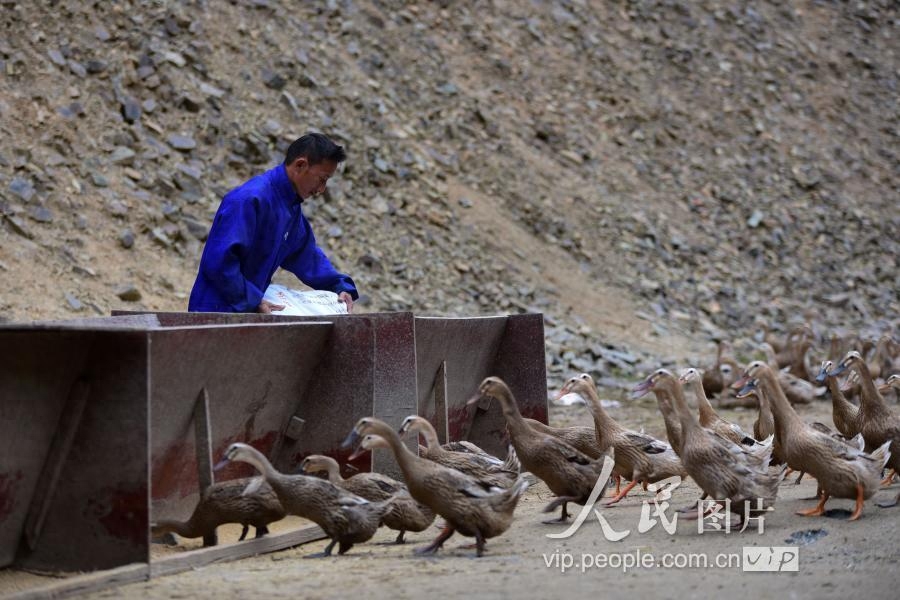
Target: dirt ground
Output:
{"points": [[836, 558]]}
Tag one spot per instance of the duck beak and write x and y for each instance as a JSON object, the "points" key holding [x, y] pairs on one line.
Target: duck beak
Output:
{"points": [[562, 392], [357, 453], [746, 389], [823, 373], [640, 389], [473, 400], [403, 429], [221, 464], [842, 366], [350, 440], [741, 382]]}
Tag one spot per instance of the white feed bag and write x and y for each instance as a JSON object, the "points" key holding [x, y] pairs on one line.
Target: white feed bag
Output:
{"points": [[304, 303]]}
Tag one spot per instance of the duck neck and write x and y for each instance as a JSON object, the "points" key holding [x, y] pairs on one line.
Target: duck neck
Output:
{"points": [[333, 469], [786, 418], [870, 399], [186, 529], [670, 418], [765, 411], [405, 458], [838, 400], [685, 418], [603, 423], [707, 413], [258, 460], [426, 430], [514, 421]]}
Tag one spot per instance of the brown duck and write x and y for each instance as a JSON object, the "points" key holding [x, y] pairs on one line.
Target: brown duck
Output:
{"points": [[891, 384], [764, 426], [469, 506], [841, 470], [480, 465], [638, 456], [665, 399], [346, 518], [405, 514], [844, 414], [569, 474], [225, 502], [721, 374], [797, 390], [709, 418], [722, 469], [876, 421]]}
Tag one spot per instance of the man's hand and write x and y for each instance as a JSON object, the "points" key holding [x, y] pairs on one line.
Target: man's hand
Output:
{"points": [[347, 299], [267, 307]]}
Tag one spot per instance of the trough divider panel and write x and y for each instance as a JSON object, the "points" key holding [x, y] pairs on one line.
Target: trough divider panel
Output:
{"points": [[45, 489], [98, 515], [203, 447], [519, 360], [394, 379]]}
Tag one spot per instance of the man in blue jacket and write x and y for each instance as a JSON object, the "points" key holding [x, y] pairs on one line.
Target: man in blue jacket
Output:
{"points": [[260, 226]]}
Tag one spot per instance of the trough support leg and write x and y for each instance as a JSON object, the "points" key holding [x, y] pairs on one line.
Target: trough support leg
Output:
{"points": [[56, 458], [203, 444]]}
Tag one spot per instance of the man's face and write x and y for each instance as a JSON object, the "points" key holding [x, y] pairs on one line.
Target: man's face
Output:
{"points": [[310, 180]]}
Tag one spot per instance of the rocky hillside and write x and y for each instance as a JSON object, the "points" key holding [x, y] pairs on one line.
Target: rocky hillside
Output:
{"points": [[652, 175]]}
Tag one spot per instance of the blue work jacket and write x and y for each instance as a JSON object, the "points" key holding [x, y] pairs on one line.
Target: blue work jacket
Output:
{"points": [[259, 227]]}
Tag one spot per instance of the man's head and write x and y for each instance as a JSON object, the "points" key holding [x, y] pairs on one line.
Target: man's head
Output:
{"points": [[310, 161]]}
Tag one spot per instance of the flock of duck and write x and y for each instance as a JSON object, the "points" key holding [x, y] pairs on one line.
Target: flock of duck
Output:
{"points": [[476, 493]]}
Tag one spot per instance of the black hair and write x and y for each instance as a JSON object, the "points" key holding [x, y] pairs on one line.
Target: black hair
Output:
{"points": [[315, 148]]}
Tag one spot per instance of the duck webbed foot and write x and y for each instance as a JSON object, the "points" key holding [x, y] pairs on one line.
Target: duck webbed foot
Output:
{"points": [[564, 515], [437, 543], [889, 479], [623, 493], [818, 510], [326, 552]]}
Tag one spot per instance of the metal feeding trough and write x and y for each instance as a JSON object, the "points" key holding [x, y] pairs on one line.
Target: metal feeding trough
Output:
{"points": [[107, 424]]}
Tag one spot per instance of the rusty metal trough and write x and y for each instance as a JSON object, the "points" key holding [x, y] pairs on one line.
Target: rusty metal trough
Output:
{"points": [[107, 424]]}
